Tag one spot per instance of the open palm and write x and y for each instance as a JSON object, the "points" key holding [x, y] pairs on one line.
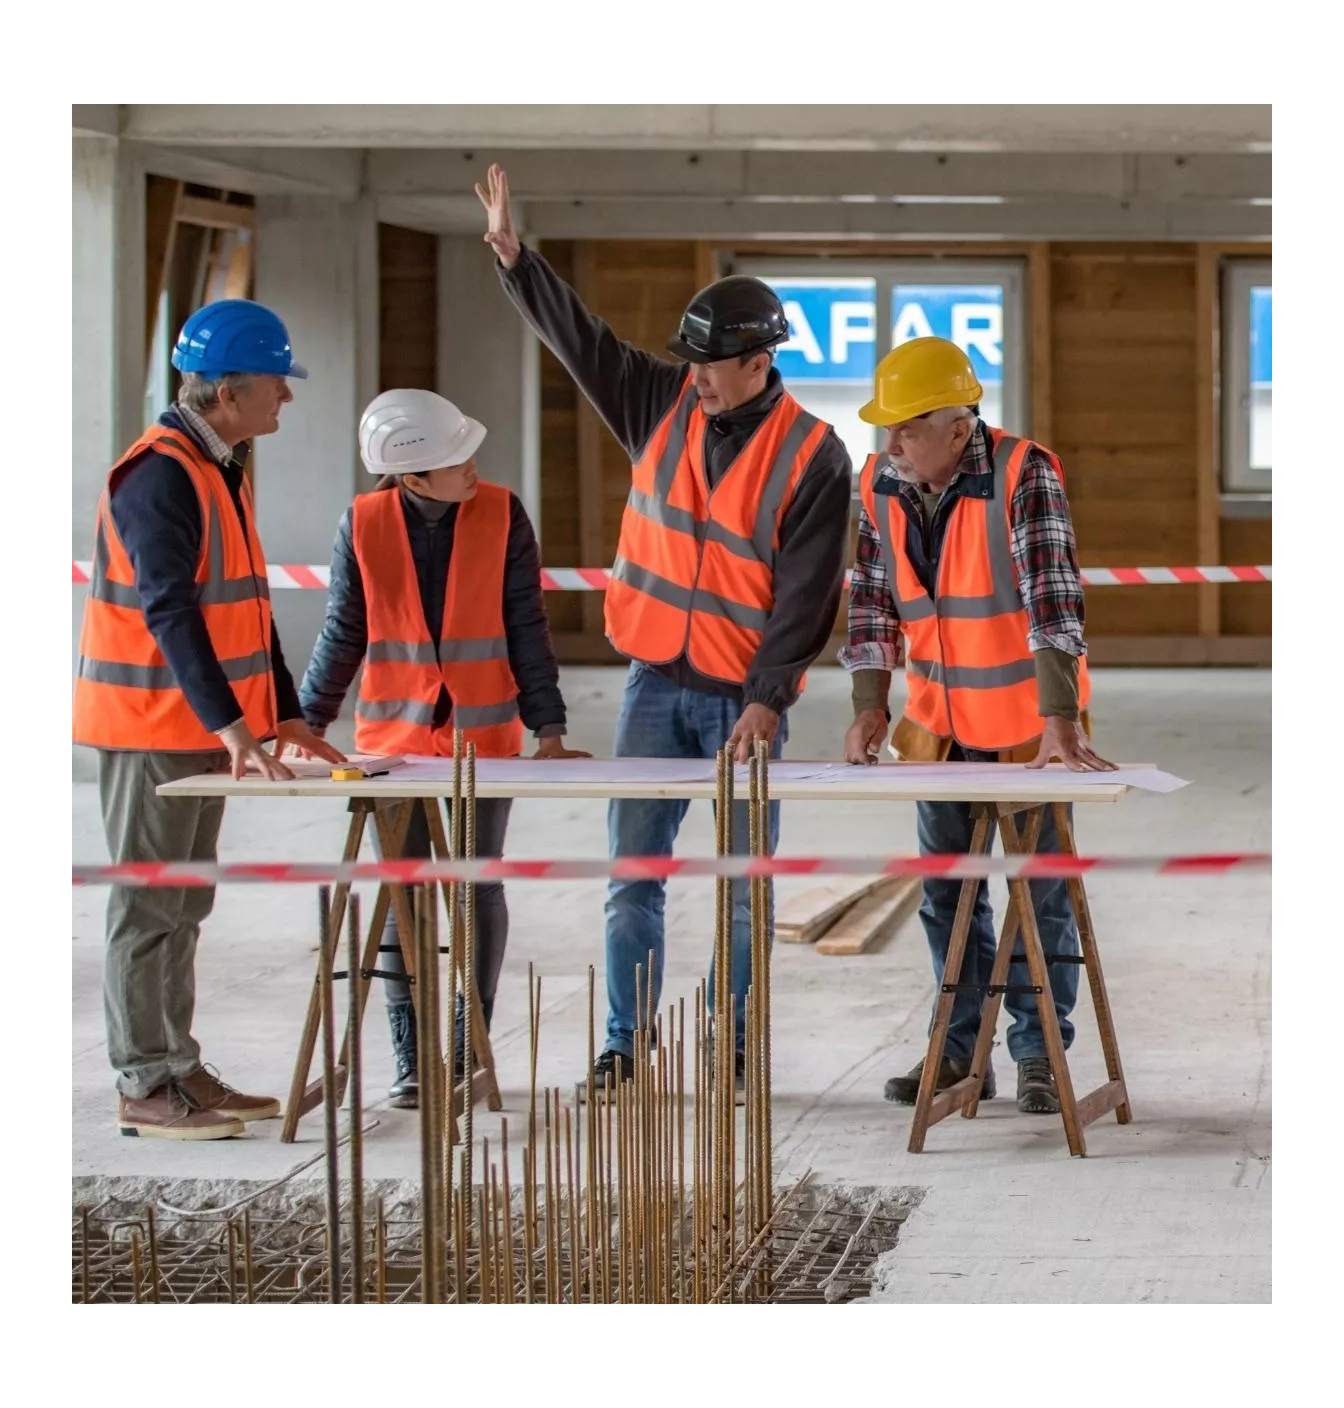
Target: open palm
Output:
{"points": [[500, 234]]}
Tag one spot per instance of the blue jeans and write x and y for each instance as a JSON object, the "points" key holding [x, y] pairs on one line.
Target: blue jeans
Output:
{"points": [[660, 719], [947, 827]]}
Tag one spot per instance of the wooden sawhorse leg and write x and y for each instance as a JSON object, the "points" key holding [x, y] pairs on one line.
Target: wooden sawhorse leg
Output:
{"points": [[1076, 1114], [304, 1096], [1114, 1095], [930, 1108], [483, 1081]]}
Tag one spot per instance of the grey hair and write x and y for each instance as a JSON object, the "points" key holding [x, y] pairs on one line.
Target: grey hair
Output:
{"points": [[949, 415], [197, 394]]}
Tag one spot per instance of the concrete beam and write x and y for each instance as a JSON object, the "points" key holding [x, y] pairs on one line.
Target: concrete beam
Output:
{"points": [[443, 215], [261, 171], [95, 119], [1034, 220], [628, 175], [1158, 127]]}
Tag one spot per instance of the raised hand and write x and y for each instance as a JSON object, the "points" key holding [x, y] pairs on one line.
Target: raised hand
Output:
{"points": [[500, 234]]}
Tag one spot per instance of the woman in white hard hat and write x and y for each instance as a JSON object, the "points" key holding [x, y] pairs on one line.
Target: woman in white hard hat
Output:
{"points": [[436, 591]]}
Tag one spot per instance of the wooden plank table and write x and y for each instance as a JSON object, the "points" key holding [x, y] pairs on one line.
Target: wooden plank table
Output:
{"points": [[1000, 794]]}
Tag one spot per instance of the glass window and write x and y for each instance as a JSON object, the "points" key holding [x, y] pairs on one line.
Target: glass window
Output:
{"points": [[971, 315], [829, 359], [1262, 376], [835, 341], [158, 379], [1248, 377]]}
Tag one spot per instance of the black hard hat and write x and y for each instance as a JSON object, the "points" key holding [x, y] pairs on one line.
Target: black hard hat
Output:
{"points": [[730, 318]]}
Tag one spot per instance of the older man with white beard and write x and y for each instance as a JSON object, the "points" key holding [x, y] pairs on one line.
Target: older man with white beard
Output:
{"points": [[967, 574]]}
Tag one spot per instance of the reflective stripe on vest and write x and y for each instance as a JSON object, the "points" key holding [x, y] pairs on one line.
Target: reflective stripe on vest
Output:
{"points": [[970, 672], [405, 671], [694, 567], [126, 695]]}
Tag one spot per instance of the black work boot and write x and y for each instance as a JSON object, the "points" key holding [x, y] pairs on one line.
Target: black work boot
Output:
{"points": [[1037, 1093], [405, 1091], [610, 1066], [904, 1090]]}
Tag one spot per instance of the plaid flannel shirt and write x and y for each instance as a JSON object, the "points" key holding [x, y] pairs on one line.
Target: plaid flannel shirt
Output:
{"points": [[1043, 548], [216, 446]]}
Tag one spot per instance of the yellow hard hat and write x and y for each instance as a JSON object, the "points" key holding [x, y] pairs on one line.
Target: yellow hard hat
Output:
{"points": [[919, 376]]}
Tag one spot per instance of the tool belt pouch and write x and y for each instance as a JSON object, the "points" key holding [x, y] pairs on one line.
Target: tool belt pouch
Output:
{"points": [[915, 744]]}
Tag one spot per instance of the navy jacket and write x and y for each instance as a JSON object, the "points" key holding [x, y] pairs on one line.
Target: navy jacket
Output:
{"points": [[345, 632], [158, 518]]}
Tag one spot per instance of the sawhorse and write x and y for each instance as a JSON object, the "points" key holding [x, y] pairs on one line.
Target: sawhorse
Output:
{"points": [[1021, 917], [391, 820]]}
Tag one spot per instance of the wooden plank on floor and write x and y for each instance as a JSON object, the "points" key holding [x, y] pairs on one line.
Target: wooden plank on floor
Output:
{"points": [[806, 917], [873, 920]]}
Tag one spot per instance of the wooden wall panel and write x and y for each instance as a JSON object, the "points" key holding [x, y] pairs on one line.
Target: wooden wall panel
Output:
{"points": [[1246, 609], [408, 308], [640, 287], [1115, 334], [1123, 373]]}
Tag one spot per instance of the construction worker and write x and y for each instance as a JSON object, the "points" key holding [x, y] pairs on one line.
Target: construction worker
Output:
{"points": [[967, 569], [181, 672], [728, 572], [436, 591]]}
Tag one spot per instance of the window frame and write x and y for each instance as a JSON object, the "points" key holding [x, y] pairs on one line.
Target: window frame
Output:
{"points": [[1009, 272], [1238, 479]]}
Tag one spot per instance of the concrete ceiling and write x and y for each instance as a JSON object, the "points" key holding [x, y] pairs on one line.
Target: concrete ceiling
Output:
{"points": [[876, 172]]}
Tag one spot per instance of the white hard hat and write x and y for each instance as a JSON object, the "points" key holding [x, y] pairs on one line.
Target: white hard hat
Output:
{"points": [[412, 432]]}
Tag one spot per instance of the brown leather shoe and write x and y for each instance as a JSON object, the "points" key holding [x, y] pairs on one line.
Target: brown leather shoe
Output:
{"points": [[170, 1113], [205, 1088]]}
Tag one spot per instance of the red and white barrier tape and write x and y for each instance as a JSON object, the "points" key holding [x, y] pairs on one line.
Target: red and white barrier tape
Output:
{"points": [[416, 872], [595, 579]]}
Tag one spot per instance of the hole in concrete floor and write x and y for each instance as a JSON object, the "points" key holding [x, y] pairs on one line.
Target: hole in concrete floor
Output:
{"points": [[823, 1248]]}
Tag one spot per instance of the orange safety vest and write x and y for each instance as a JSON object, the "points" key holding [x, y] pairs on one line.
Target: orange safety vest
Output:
{"points": [[404, 670], [694, 570], [126, 695], [969, 672]]}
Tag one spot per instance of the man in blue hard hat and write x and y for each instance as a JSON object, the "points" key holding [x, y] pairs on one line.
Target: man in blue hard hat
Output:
{"points": [[181, 672]]}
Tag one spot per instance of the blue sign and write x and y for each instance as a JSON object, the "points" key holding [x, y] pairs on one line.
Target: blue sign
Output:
{"points": [[971, 315], [831, 329], [833, 333], [1262, 337]]}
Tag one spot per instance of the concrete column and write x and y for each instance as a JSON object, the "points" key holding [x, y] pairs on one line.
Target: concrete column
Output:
{"points": [[108, 288], [488, 365], [108, 347], [317, 267]]}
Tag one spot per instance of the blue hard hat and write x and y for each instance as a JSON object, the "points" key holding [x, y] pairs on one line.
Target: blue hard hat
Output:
{"points": [[235, 335]]}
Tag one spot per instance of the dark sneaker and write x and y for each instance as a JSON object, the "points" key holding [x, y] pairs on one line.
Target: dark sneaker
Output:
{"points": [[610, 1067], [459, 1043], [405, 1090], [1037, 1093], [739, 1073], [904, 1090]]}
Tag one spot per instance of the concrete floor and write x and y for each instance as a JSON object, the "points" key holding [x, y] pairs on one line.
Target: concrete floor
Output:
{"points": [[1173, 1207]]}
